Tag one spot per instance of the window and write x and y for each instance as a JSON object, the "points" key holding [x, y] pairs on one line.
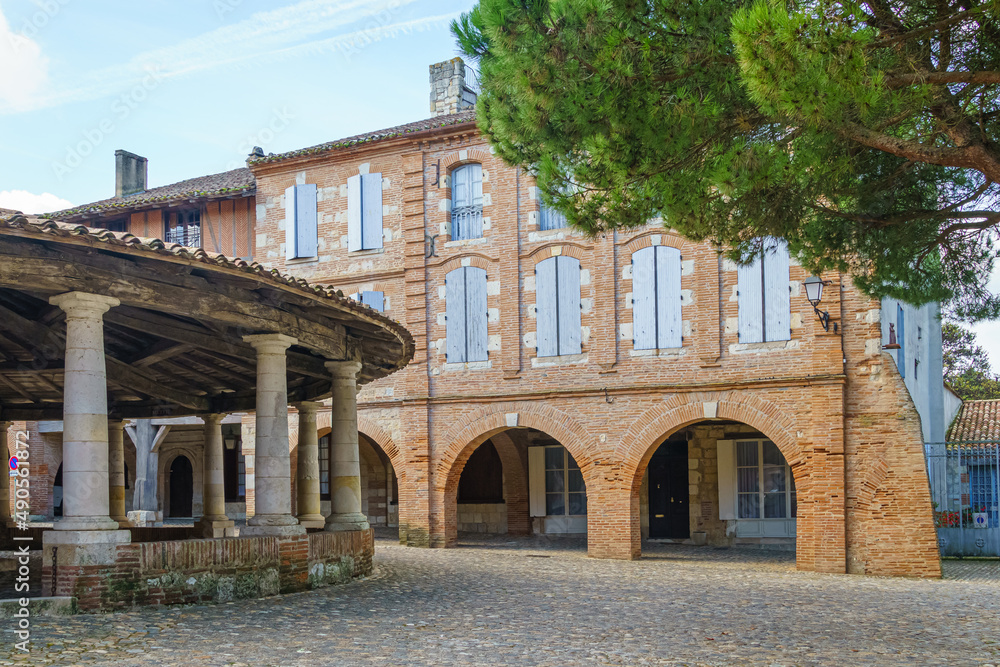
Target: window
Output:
{"points": [[764, 485], [549, 218], [901, 339], [234, 466], [184, 228], [656, 298], [364, 212], [120, 225], [374, 300], [466, 315], [467, 202], [324, 468], [565, 492], [301, 235], [764, 296], [557, 284]]}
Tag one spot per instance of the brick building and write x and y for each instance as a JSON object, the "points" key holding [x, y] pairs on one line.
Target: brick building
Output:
{"points": [[634, 385]]}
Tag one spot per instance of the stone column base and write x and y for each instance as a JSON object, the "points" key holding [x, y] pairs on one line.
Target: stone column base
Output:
{"points": [[86, 524], [267, 525], [141, 518], [312, 520], [336, 523], [215, 528]]}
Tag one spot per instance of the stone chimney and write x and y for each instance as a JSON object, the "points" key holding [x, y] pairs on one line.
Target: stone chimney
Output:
{"points": [[130, 173], [449, 92]]}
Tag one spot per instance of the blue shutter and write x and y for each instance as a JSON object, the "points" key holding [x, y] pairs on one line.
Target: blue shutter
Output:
{"points": [[455, 315], [291, 234], [750, 299], [305, 225], [371, 214], [901, 339], [374, 300], [777, 300], [550, 218], [644, 299], [570, 330], [355, 240], [668, 297], [546, 322], [467, 202], [476, 315]]}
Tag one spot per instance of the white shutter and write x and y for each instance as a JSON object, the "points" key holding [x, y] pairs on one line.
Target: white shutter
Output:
{"points": [[750, 301], [305, 223], [570, 330], [536, 481], [476, 334], [355, 241], [291, 235], [727, 479], [643, 299], [460, 187], [668, 297], [371, 222], [455, 315], [777, 300], [547, 308], [475, 183], [374, 300]]}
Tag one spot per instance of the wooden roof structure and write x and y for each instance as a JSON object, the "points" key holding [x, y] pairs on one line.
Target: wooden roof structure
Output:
{"points": [[174, 347]]}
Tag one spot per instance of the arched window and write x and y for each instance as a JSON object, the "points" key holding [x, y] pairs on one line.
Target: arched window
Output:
{"points": [[656, 298], [466, 315], [764, 295], [467, 202], [557, 284]]}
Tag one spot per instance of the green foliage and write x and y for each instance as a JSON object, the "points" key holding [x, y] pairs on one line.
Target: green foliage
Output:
{"points": [[967, 366], [821, 122]]}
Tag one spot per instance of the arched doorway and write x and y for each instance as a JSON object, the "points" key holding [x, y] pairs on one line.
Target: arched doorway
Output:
{"points": [[181, 487], [57, 493], [379, 486]]}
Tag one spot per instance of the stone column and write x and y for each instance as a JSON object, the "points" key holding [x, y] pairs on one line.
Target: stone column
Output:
{"points": [[307, 467], [85, 415], [116, 472], [345, 460], [214, 522], [273, 469], [5, 515]]}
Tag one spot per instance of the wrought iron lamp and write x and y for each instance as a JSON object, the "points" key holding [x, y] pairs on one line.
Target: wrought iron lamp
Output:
{"points": [[814, 293]]}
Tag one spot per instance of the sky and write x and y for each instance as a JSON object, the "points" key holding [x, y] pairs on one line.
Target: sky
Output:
{"points": [[194, 85]]}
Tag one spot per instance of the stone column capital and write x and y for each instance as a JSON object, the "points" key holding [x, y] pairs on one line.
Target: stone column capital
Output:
{"points": [[214, 418], [84, 305], [344, 369], [308, 407], [273, 343]]}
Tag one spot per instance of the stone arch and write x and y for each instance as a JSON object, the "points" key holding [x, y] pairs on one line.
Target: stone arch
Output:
{"points": [[477, 427], [166, 460]]}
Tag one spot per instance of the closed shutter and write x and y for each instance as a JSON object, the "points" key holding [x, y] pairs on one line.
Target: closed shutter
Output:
{"points": [[355, 240], [455, 316], [476, 335], [644, 299], [668, 297], [536, 481], [727, 479], [901, 339], [750, 299], [550, 218], [374, 300], [547, 308], [305, 213], [467, 202], [291, 234], [777, 300], [570, 330], [371, 216]]}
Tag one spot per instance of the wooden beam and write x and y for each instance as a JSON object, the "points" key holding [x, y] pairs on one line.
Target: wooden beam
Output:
{"points": [[159, 351]]}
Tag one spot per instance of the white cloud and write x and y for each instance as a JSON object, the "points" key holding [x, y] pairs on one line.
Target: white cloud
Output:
{"points": [[29, 202], [23, 69]]}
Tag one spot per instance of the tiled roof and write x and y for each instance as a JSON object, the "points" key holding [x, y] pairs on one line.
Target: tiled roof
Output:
{"points": [[977, 420], [370, 137], [227, 183]]}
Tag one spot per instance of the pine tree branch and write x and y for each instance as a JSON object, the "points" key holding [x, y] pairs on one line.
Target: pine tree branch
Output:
{"points": [[942, 78]]}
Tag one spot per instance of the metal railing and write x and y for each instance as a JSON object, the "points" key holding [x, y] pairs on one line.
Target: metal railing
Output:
{"points": [[965, 489]]}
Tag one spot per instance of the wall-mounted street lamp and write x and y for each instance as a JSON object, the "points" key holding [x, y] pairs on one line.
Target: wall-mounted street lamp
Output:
{"points": [[814, 293]]}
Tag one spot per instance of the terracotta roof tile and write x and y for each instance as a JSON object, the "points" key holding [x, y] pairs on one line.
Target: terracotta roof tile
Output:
{"points": [[977, 420]]}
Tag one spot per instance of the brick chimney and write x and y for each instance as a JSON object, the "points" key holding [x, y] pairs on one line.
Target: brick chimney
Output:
{"points": [[449, 92], [130, 173]]}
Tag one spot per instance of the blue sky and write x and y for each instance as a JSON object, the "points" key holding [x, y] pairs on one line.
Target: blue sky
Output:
{"points": [[194, 84]]}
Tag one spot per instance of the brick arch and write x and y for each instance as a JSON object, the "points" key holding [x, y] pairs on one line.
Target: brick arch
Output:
{"points": [[163, 483], [376, 165], [379, 436], [568, 249], [454, 159], [478, 260], [645, 239]]}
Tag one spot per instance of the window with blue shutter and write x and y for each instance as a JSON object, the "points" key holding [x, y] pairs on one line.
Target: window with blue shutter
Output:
{"points": [[549, 218], [901, 339], [558, 322], [764, 295], [374, 300], [656, 298], [301, 234], [467, 202], [364, 212], [466, 315]]}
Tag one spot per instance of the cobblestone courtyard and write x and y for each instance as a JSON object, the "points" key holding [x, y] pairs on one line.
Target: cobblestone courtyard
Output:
{"points": [[524, 602]]}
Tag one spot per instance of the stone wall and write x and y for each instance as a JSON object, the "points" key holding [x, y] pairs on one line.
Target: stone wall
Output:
{"points": [[482, 518]]}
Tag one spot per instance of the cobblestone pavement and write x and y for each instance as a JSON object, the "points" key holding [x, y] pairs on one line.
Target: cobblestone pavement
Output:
{"points": [[532, 602]]}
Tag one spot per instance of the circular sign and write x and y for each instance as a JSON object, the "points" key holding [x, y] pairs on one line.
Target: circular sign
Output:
{"points": [[12, 463], [981, 520]]}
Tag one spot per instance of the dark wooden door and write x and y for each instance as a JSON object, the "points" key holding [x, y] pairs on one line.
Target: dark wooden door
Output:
{"points": [[668, 492], [181, 487]]}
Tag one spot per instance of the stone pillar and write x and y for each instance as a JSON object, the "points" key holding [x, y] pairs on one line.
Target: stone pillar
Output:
{"points": [[214, 522], [307, 468], [273, 470], [5, 515], [345, 463], [116, 472]]}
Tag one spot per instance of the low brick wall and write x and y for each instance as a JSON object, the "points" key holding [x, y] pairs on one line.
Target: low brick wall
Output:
{"points": [[200, 571]]}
